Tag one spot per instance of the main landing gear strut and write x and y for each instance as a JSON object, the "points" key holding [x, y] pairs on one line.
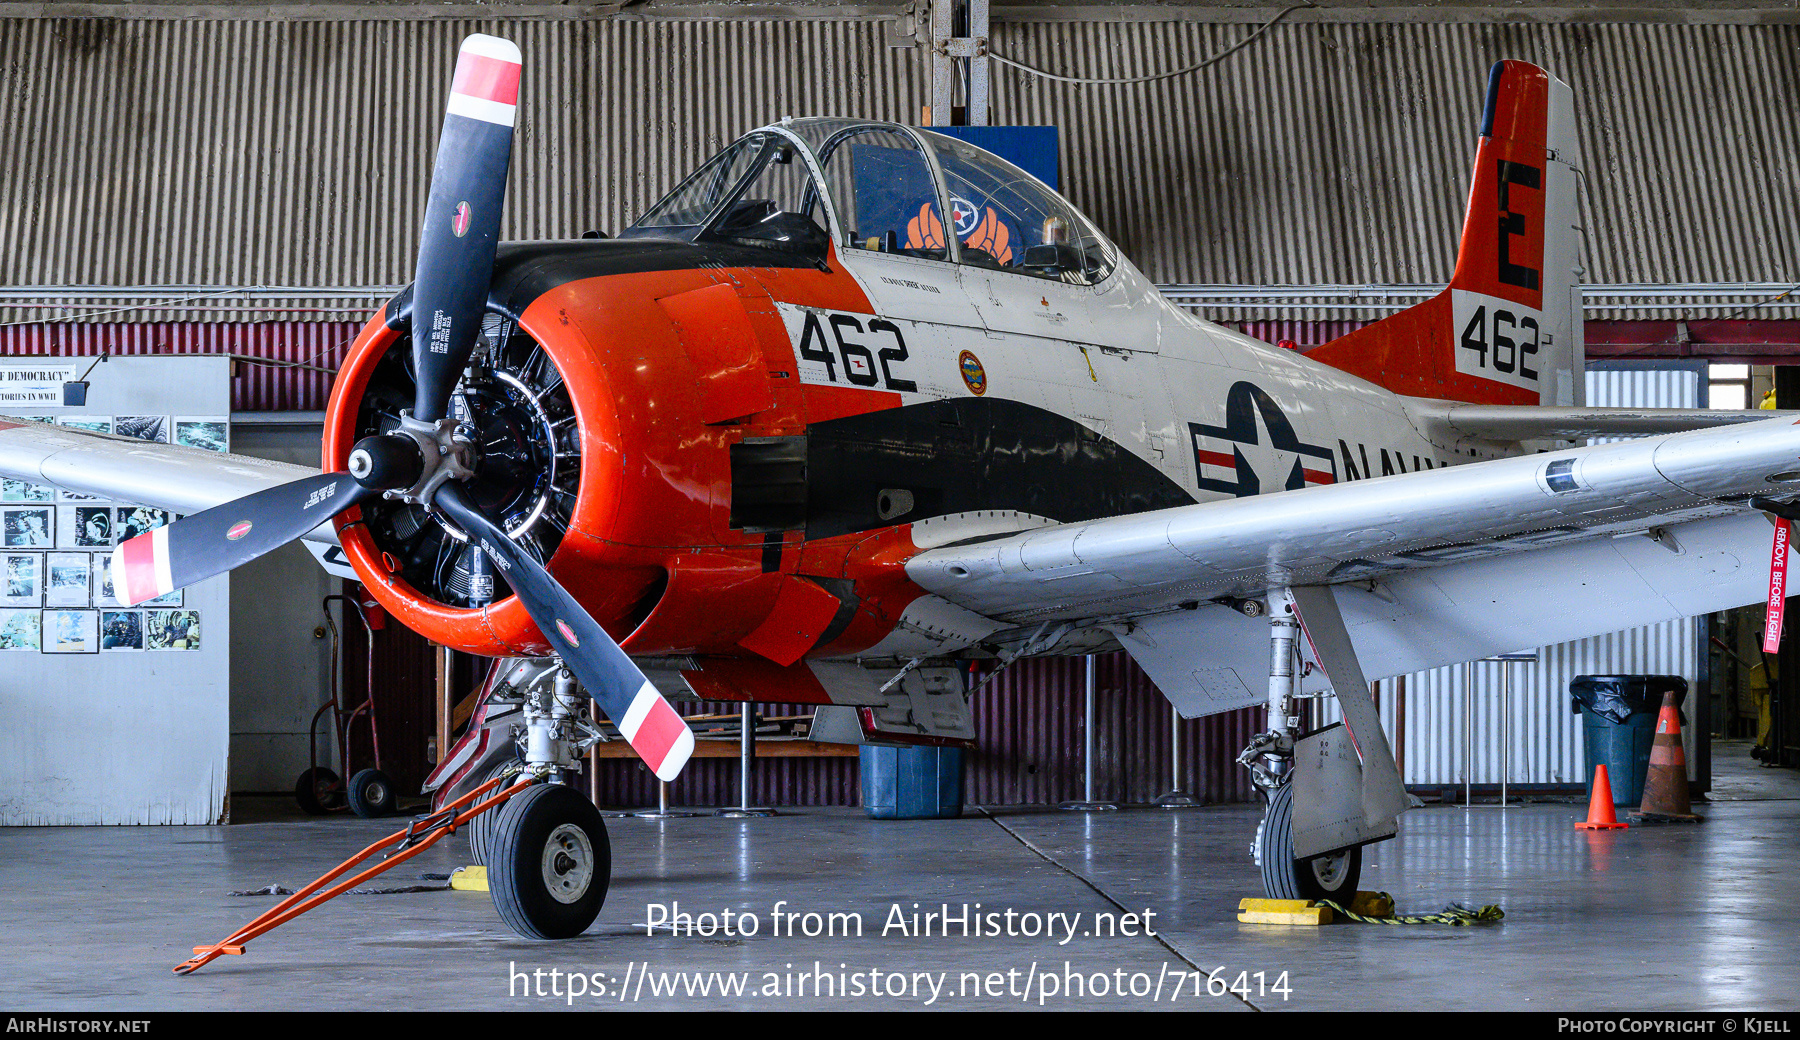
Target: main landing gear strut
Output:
{"points": [[1309, 843]]}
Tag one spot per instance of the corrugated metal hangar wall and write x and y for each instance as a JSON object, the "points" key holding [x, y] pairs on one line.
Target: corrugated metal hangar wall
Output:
{"points": [[222, 153], [294, 153]]}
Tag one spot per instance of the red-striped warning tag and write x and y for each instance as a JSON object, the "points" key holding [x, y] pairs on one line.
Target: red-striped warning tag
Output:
{"points": [[1778, 567]]}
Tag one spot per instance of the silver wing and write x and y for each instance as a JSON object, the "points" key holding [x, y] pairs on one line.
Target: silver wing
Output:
{"points": [[1432, 568], [123, 469]]}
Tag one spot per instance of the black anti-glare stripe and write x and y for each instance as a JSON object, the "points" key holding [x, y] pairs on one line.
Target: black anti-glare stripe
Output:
{"points": [[524, 271]]}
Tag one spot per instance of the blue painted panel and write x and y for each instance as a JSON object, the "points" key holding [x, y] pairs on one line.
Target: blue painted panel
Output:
{"points": [[1030, 148]]}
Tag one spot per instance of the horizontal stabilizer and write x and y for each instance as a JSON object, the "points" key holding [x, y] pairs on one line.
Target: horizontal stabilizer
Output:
{"points": [[1512, 423]]}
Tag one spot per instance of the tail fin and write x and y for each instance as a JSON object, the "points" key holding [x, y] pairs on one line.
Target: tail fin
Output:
{"points": [[1507, 329]]}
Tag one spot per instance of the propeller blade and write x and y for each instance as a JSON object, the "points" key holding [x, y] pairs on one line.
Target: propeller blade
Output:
{"points": [[652, 728], [462, 219], [197, 547]]}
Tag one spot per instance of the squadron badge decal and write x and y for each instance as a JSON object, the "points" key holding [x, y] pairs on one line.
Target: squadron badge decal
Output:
{"points": [[973, 375]]}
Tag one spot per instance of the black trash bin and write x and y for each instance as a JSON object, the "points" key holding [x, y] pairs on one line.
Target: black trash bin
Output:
{"points": [[1619, 724]]}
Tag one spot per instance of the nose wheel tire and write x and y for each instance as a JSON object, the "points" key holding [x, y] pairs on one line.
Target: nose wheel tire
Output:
{"points": [[549, 862], [372, 794], [1332, 876], [481, 828]]}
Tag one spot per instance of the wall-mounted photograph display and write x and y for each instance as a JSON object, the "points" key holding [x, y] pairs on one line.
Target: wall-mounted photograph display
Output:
{"points": [[57, 594], [104, 595], [121, 630], [69, 582], [211, 433], [135, 520], [28, 527], [143, 427], [71, 631], [172, 629], [85, 527], [24, 577], [23, 491], [21, 630]]}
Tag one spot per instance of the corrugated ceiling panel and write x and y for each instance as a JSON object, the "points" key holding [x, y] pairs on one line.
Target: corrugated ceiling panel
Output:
{"points": [[297, 152]]}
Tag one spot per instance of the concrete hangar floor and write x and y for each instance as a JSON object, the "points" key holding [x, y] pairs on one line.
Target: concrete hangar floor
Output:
{"points": [[1697, 918]]}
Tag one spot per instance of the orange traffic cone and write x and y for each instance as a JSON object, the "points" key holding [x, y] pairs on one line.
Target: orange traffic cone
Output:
{"points": [[1666, 786], [1600, 806]]}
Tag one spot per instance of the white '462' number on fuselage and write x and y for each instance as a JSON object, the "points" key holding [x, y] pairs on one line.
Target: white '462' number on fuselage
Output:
{"points": [[835, 349], [1497, 339]]}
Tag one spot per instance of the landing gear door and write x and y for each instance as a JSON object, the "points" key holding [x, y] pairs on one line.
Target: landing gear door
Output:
{"points": [[927, 706], [1353, 792], [1328, 796]]}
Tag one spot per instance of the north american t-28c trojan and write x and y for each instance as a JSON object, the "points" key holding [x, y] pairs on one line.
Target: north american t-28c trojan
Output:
{"points": [[857, 404]]}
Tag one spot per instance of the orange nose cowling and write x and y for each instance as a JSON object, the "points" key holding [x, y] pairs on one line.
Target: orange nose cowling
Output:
{"points": [[609, 589]]}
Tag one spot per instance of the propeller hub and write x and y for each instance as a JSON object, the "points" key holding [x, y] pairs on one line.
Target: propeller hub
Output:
{"points": [[440, 451], [514, 448], [386, 463]]}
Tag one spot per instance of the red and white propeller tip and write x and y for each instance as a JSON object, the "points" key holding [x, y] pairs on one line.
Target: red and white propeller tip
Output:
{"points": [[486, 86], [657, 733], [140, 568]]}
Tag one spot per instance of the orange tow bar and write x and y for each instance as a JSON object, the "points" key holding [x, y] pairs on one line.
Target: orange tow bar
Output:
{"points": [[416, 838]]}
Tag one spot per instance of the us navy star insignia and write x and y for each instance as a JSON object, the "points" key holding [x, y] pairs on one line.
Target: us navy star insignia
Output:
{"points": [[1276, 459]]}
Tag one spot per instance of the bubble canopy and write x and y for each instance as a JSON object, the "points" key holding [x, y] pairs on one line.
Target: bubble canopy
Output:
{"points": [[803, 184]]}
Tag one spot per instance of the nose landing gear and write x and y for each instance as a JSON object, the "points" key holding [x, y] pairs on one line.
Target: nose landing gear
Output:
{"points": [[550, 864]]}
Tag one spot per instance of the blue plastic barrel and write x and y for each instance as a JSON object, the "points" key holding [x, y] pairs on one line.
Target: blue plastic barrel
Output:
{"points": [[1624, 748], [912, 783]]}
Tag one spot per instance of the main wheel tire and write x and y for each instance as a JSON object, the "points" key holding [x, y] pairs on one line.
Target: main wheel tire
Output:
{"points": [[372, 794], [317, 791], [549, 862], [1332, 876]]}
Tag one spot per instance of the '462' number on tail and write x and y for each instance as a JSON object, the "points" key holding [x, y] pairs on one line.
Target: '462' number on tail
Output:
{"points": [[1497, 340]]}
